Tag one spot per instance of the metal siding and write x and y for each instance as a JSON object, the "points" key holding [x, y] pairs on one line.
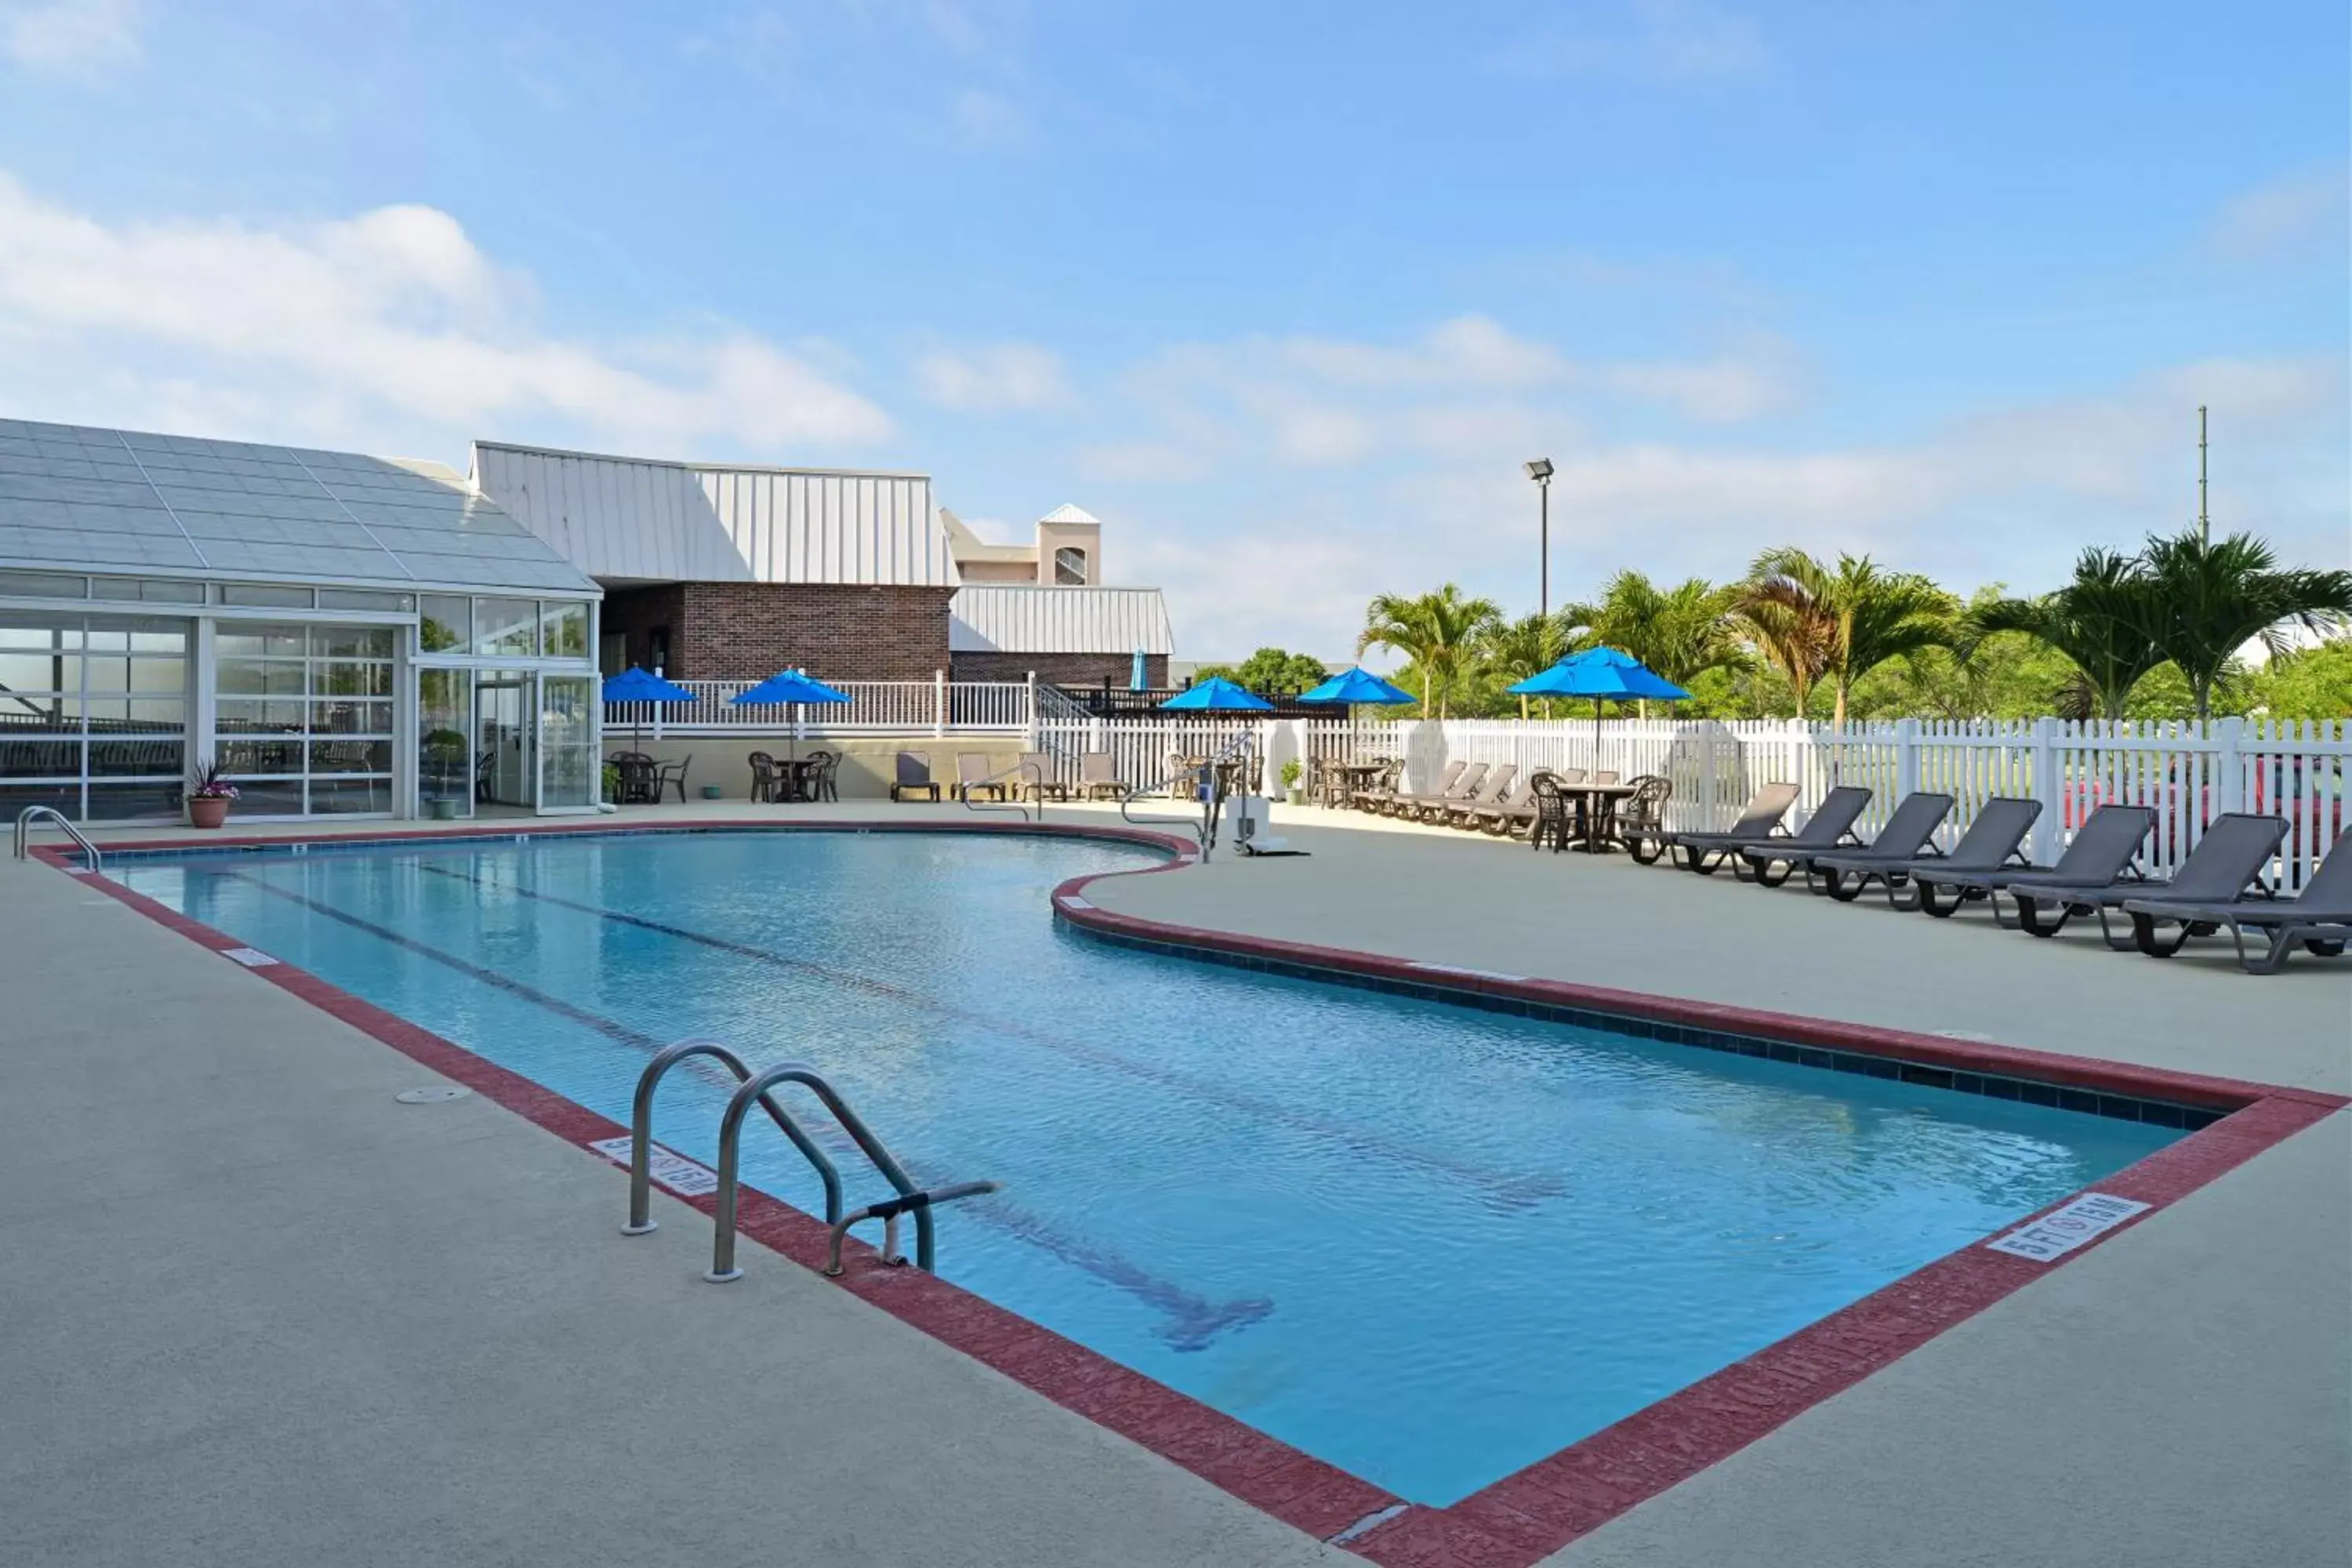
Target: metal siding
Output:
{"points": [[1013, 619]]}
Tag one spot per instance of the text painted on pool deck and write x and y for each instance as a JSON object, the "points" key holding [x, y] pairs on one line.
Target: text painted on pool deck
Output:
{"points": [[676, 1171], [2064, 1229]]}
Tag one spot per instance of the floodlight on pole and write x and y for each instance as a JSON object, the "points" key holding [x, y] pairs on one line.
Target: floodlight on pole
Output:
{"points": [[1540, 471]]}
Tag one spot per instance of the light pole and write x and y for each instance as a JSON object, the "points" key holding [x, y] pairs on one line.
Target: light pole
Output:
{"points": [[1540, 471]]}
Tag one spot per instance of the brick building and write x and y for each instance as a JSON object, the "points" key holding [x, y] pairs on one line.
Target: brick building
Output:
{"points": [[734, 572]]}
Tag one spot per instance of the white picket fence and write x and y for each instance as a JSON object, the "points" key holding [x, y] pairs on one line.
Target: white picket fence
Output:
{"points": [[934, 706]]}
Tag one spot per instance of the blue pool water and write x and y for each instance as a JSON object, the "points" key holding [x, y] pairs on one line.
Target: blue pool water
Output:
{"points": [[1427, 1243]]}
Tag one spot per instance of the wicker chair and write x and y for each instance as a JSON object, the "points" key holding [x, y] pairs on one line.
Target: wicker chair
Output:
{"points": [[1555, 820], [767, 779], [1642, 818], [823, 768]]}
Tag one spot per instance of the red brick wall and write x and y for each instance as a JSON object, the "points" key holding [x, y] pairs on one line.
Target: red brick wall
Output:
{"points": [[1061, 668], [748, 631]]}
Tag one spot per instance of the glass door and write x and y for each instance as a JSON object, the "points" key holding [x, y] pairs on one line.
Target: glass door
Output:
{"points": [[445, 742], [506, 751], [568, 763]]}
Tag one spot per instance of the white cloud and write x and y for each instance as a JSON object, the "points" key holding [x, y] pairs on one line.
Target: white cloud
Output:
{"points": [[390, 325], [1762, 376], [70, 38], [995, 378], [2293, 213]]}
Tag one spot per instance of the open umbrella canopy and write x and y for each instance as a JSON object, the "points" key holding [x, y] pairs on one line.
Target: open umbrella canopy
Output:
{"points": [[788, 685], [1354, 686], [1602, 673], [1218, 695], [634, 685]]}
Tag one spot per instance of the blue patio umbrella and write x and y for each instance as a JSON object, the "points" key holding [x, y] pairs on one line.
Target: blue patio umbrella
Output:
{"points": [[1604, 674], [1218, 695], [788, 685], [1357, 686], [634, 685]]}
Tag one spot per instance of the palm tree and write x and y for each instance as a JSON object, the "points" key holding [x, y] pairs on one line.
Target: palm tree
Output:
{"points": [[1838, 624], [2208, 598], [2099, 622], [1681, 632], [1437, 631], [1529, 646]]}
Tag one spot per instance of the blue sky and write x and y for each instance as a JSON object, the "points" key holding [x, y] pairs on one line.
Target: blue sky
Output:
{"points": [[1283, 293]]}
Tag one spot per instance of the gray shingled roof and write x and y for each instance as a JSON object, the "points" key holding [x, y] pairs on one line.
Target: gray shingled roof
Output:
{"points": [[80, 498]]}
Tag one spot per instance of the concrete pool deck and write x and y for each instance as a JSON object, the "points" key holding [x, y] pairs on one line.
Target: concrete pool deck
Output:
{"points": [[261, 1313]]}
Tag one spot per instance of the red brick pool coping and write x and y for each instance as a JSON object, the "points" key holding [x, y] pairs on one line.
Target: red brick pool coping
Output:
{"points": [[1525, 1516]]}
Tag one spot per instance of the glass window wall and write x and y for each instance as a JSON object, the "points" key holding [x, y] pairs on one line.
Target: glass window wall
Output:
{"points": [[93, 714], [303, 717]]}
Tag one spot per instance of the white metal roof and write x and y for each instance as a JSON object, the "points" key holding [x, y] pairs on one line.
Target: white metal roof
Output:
{"points": [[80, 497], [1008, 618], [1065, 512], [635, 519]]}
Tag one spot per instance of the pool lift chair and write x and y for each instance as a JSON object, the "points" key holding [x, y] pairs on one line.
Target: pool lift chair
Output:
{"points": [[755, 1089]]}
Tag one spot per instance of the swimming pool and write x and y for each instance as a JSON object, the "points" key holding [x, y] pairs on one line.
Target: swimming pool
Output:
{"points": [[1425, 1243]]}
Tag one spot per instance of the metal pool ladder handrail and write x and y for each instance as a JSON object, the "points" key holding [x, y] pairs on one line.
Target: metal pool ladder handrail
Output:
{"points": [[25, 827], [1205, 832], [641, 1133], [1016, 804]]}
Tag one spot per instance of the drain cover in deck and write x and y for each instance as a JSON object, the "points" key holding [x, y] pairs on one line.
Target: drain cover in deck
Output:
{"points": [[438, 1094]]}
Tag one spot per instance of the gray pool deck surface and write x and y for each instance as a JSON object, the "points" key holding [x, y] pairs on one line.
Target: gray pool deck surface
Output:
{"points": [[255, 1311]]}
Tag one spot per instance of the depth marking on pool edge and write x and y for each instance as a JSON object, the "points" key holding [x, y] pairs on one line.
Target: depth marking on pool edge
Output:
{"points": [[251, 957], [2068, 1227], [1193, 1320], [673, 1170]]}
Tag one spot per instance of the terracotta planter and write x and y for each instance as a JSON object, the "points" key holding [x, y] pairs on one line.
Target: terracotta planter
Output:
{"points": [[207, 811]]}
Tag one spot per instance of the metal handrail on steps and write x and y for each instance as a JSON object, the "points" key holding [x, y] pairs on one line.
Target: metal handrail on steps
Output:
{"points": [[25, 827]]}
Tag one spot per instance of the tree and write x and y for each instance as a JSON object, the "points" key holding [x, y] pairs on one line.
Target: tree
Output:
{"points": [[1269, 672], [2309, 683], [1681, 632], [2208, 599], [1439, 632], [2099, 622], [1514, 650], [1819, 623]]}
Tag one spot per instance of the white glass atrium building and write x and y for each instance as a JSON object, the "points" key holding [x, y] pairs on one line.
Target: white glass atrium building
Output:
{"points": [[345, 635]]}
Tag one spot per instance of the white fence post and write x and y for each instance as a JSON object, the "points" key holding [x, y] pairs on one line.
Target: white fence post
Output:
{"points": [[939, 702], [2050, 789], [1029, 712], [1906, 758], [2229, 765]]}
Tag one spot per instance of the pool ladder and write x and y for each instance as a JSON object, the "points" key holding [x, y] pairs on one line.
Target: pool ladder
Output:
{"points": [[754, 1090], [25, 829]]}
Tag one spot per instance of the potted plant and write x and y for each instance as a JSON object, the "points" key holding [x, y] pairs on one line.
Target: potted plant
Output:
{"points": [[445, 782], [209, 793], [1292, 771], [612, 783]]}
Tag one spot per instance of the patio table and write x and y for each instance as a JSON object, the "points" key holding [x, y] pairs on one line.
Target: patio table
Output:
{"points": [[1354, 777], [1600, 814], [801, 775]]}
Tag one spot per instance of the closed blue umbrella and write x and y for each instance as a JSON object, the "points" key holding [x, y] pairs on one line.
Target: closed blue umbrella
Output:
{"points": [[1138, 679], [1357, 686], [1218, 695], [788, 685], [634, 685]]}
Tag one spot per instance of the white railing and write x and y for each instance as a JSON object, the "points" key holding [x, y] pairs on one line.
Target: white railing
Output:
{"points": [[934, 706]]}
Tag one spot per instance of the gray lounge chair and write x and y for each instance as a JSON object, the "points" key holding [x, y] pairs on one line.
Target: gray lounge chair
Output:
{"points": [[2235, 849], [1760, 820], [1909, 835], [2102, 852], [1774, 859], [1463, 813], [1399, 802], [1374, 798], [1419, 805], [1990, 843], [914, 773], [1511, 818], [2319, 918], [1098, 775]]}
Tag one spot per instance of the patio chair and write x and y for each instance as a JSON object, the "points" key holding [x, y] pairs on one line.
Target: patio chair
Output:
{"points": [[1376, 795], [1036, 779], [664, 774], [1831, 824], [1463, 813], [766, 781], [1642, 818], [1991, 842], [1761, 819], [1418, 806], [1098, 775], [2102, 852], [1520, 816], [1394, 804], [1909, 835], [974, 771], [1604, 776], [2234, 850], [914, 775], [820, 779], [1554, 813], [2319, 918]]}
